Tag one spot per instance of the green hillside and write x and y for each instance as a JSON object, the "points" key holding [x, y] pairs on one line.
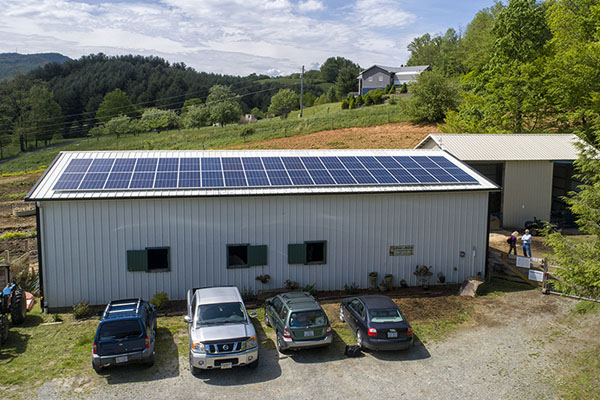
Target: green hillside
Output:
{"points": [[317, 118], [12, 64]]}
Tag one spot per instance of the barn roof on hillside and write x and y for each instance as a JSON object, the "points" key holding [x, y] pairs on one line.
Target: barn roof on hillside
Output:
{"points": [[505, 147], [156, 174]]}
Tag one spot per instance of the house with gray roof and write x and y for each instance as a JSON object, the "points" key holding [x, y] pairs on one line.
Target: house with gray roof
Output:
{"points": [[379, 76], [534, 170]]}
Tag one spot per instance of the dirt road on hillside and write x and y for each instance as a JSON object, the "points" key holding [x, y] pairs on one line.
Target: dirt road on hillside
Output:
{"points": [[402, 135]]}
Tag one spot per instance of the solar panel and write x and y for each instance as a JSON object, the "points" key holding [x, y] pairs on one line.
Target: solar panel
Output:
{"points": [[235, 178], [240, 172], [93, 180]]}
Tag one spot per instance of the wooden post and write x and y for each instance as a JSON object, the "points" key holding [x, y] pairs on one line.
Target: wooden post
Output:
{"points": [[545, 277]]}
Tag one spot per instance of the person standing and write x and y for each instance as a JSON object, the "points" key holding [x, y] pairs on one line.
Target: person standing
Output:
{"points": [[512, 242], [526, 239]]}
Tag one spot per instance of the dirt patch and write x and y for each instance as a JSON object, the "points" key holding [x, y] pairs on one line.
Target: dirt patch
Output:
{"points": [[538, 248], [402, 135]]}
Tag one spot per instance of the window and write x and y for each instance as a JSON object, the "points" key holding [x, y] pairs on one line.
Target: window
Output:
{"points": [[380, 78], [313, 252], [244, 255], [283, 313], [370, 79], [151, 259]]}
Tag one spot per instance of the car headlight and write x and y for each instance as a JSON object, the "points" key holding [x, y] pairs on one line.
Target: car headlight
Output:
{"points": [[198, 347], [250, 343]]}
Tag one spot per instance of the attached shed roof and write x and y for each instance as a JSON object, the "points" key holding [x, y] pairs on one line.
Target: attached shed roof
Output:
{"points": [[505, 147], [47, 187]]}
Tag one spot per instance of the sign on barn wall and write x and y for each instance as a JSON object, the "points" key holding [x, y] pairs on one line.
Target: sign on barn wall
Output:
{"points": [[405, 250]]}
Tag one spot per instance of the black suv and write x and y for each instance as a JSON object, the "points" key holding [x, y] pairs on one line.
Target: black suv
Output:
{"points": [[126, 333]]}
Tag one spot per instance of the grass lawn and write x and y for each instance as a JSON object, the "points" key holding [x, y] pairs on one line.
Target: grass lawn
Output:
{"points": [[318, 118]]}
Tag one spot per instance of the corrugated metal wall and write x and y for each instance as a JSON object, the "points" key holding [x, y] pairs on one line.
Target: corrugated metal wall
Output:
{"points": [[527, 192], [85, 242]]}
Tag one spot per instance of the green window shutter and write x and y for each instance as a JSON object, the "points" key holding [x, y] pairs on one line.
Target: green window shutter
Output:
{"points": [[257, 255], [297, 253], [137, 260]]}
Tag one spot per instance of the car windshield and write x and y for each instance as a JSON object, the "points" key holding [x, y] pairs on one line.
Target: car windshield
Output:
{"points": [[225, 313], [307, 318], [386, 315], [120, 329]]}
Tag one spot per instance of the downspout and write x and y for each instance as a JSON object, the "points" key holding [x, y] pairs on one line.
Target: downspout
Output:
{"points": [[40, 263]]}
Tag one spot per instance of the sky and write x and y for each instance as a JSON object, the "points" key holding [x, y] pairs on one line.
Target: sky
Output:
{"points": [[236, 37]]}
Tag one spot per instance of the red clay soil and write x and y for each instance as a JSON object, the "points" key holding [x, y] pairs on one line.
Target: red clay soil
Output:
{"points": [[401, 135]]}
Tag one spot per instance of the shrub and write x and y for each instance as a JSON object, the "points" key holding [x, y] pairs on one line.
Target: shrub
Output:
{"points": [[247, 131], [248, 295], [82, 310], [404, 88], [359, 100], [345, 104], [351, 289], [351, 103], [392, 89], [312, 289], [433, 96], [387, 88], [160, 300]]}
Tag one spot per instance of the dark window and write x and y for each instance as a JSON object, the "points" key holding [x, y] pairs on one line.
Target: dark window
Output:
{"points": [[237, 256], [158, 258], [308, 318], [150, 259], [120, 329], [283, 313], [313, 252], [244, 255]]}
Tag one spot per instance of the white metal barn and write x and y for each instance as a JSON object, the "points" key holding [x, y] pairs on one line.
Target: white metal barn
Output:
{"points": [[534, 170], [133, 223]]}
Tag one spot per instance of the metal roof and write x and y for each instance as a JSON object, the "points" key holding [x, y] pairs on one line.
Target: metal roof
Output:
{"points": [[506, 147], [398, 70], [43, 190]]}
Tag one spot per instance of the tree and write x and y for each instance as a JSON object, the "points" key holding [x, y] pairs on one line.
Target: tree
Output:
{"points": [[42, 117], [98, 131], [196, 116], [159, 120], [118, 126], [190, 102], [283, 102], [115, 103], [476, 45], [332, 66], [440, 52], [223, 105], [433, 96], [579, 265], [346, 80]]}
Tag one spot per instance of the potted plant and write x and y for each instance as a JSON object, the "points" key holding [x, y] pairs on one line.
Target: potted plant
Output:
{"points": [[422, 272], [292, 285], [263, 278], [388, 279], [441, 277], [372, 280]]}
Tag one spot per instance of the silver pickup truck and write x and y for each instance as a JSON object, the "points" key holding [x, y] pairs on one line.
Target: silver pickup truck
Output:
{"points": [[220, 332]]}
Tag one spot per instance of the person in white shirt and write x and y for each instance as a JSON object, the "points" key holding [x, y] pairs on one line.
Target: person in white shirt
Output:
{"points": [[526, 239]]}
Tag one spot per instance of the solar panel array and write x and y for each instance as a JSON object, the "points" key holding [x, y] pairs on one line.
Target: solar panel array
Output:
{"points": [[243, 172]]}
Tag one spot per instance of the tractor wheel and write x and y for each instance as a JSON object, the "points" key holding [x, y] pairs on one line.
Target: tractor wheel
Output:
{"points": [[3, 329], [18, 306]]}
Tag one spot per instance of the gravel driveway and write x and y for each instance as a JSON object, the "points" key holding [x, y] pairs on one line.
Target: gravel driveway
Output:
{"points": [[509, 349]]}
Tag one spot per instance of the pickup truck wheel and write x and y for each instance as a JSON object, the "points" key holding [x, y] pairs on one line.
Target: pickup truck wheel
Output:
{"points": [[254, 364], [3, 328]]}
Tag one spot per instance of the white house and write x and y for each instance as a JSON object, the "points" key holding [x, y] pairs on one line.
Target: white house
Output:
{"points": [[116, 224]]}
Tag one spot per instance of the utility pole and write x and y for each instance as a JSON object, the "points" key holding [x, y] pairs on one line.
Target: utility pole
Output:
{"points": [[301, 92]]}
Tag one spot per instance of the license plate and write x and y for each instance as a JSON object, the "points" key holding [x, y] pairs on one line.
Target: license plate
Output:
{"points": [[392, 334], [309, 333], [121, 359], [226, 365]]}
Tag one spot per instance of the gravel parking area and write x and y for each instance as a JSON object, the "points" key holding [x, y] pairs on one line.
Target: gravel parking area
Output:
{"points": [[512, 347]]}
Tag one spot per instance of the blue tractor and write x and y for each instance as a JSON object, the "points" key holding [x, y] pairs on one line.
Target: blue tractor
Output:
{"points": [[13, 302]]}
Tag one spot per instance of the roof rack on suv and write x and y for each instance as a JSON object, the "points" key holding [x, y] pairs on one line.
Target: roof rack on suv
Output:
{"points": [[122, 306], [296, 297]]}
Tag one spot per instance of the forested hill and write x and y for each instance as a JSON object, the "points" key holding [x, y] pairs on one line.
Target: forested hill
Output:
{"points": [[79, 86], [12, 64]]}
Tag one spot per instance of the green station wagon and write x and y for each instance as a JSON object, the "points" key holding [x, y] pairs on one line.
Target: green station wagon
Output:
{"points": [[298, 320]]}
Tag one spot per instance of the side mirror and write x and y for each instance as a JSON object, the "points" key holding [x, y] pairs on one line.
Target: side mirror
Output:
{"points": [[187, 319], [253, 314]]}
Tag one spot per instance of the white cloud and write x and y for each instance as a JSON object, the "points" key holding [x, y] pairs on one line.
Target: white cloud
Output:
{"points": [[311, 5], [226, 36]]}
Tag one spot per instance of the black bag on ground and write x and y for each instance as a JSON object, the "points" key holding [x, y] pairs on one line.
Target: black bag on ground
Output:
{"points": [[353, 351]]}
